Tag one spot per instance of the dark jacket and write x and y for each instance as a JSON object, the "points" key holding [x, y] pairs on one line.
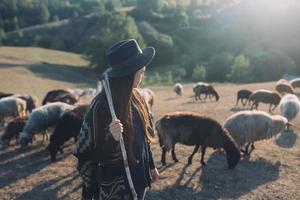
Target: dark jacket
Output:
{"points": [[96, 145]]}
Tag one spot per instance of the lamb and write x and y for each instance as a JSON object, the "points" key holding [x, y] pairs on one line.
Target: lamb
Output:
{"points": [[295, 83], [283, 87], [265, 96], [11, 107], [68, 126], [148, 96], [247, 127], [178, 89], [12, 130], [42, 118], [56, 95], [204, 88], [289, 107], [243, 94], [190, 128]]}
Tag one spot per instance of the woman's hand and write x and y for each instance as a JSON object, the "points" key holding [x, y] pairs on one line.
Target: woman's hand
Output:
{"points": [[154, 174], [116, 129]]}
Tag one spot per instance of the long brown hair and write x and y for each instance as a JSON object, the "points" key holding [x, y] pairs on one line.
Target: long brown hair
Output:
{"points": [[124, 97]]}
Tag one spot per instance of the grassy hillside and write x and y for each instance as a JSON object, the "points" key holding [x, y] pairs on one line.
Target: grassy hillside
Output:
{"points": [[272, 171], [36, 70]]}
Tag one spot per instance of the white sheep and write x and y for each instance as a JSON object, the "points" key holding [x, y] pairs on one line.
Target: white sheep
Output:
{"points": [[41, 119], [289, 107], [178, 89], [12, 107], [247, 127]]}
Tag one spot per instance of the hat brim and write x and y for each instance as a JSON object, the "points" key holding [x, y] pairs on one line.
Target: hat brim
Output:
{"points": [[141, 60]]}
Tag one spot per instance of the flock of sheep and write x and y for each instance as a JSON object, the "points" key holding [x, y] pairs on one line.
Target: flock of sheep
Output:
{"points": [[61, 110], [62, 113], [240, 130]]}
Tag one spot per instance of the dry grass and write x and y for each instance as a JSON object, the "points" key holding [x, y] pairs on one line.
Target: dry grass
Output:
{"points": [[272, 172]]}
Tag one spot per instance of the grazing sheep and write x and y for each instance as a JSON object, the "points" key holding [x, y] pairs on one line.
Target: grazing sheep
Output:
{"points": [[178, 89], [53, 96], [68, 126], [192, 129], [243, 95], [289, 107], [42, 118], [247, 127], [295, 83], [31, 101], [265, 96], [148, 96], [206, 89], [11, 107], [283, 87], [12, 130]]}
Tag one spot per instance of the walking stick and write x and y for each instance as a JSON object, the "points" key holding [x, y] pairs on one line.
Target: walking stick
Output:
{"points": [[105, 84]]}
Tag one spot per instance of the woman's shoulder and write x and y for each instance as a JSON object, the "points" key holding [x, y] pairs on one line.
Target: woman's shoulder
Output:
{"points": [[99, 101]]}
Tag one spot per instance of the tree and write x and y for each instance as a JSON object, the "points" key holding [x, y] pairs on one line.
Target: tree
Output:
{"points": [[218, 66], [240, 70], [146, 5], [115, 26]]}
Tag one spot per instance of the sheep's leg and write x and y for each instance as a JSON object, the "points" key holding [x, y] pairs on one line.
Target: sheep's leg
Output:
{"points": [[163, 156], [237, 101], [203, 148], [173, 154], [192, 155]]}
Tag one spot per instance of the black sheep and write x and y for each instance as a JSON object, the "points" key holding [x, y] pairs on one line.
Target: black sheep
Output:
{"points": [[243, 95], [67, 127], [206, 89], [53, 95], [194, 130], [12, 130]]}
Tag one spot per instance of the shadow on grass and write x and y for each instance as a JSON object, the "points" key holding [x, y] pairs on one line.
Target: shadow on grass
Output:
{"points": [[286, 139], [237, 109], [72, 74], [28, 161], [218, 182], [48, 189]]}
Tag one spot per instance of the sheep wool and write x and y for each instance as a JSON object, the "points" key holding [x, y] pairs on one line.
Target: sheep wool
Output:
{"points": [[289, 106], [250, 126]]}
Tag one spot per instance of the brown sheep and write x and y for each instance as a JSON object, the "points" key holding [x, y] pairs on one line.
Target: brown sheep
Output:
{"points": [[284, 87], [265, 96], [194, 130], [206, 89]]}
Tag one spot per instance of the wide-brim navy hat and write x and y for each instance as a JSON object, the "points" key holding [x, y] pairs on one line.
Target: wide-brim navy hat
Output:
{"points": [[126, 57]]}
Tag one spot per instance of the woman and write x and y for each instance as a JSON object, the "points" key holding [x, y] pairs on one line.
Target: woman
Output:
{"points": [[100, 161]]}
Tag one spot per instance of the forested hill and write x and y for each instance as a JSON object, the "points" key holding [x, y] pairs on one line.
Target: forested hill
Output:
{"points": [[212, 40]]}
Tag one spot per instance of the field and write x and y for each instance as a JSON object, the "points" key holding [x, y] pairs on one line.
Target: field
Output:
{"points": [[272, 172]]}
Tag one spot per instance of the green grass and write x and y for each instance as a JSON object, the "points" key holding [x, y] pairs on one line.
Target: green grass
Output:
{"points": [[35, 70], [33, 54]]}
